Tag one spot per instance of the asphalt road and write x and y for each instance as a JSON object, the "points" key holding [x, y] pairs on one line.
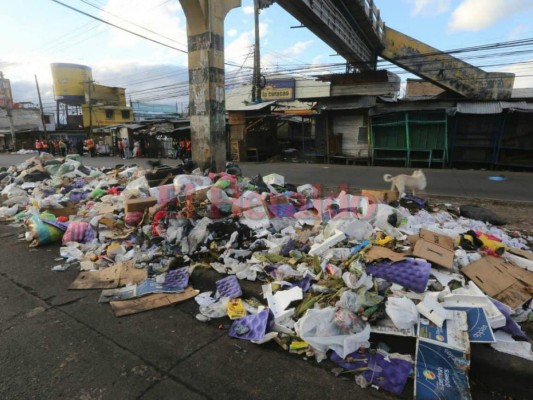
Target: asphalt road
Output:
{"points": [[517, 186]]}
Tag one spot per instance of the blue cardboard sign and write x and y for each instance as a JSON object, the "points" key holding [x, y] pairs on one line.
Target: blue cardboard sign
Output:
{"points": [[151, 286], [453, 332], [479, 330], [441, 373]]}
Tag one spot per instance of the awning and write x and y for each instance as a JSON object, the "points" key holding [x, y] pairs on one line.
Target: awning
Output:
{"points": [[345, 104], [252, 107]]}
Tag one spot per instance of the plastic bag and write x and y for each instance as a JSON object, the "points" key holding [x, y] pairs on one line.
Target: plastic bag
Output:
{"points": [[78, 232], [140, 184], [186, 185], [387, 219], [402, 311], [41, 232], [318, 328], [198, 234], [9, 211]]}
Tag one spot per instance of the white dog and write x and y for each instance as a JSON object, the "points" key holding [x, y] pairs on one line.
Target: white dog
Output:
{"points": [[407, 182]]}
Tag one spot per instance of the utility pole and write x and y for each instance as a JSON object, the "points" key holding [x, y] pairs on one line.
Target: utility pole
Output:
{"points": [[41, 107], [256, 85], [8, 110]]}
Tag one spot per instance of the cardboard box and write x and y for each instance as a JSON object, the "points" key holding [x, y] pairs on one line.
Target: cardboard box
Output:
{"points": [[436, 248], [380, 196], [139, 204], [69, 209], [502, 280], [380, 253]]}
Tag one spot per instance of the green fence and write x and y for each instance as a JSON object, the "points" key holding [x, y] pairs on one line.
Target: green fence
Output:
{"points": [[410, 138]]}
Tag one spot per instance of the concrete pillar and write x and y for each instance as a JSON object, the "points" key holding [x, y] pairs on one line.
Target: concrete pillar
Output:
{"points": [[205, 31]]}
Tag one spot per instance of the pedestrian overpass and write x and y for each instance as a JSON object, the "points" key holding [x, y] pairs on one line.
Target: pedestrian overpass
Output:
{"points": [[354, 29]]}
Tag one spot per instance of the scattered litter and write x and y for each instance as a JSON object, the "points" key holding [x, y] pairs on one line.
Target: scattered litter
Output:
{"points": [[333, 270]]}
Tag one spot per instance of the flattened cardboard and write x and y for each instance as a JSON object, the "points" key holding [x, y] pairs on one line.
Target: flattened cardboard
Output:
{"points": [[522, 253], [386, 196], [436, 248], [130, 275], [150, 302], [502, 280], [379, 253], [103, 279], [109, 278], [139, 204]]}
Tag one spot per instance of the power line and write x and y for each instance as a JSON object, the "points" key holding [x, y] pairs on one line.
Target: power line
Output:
{"points": [[118, 27], [130, 22]]}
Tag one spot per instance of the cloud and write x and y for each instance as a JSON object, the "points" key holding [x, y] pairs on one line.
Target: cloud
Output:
{"points": [[232, 33], [523, 78], [166, 21], [430, 7], [475, 15], [519, 32], [248, 10]]}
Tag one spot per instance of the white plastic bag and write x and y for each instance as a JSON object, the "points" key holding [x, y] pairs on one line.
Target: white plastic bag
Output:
{"points": [[188, 184], [402, 311], [317, 327]]}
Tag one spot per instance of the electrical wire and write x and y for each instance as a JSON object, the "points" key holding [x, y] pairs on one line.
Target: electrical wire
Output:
{"points": [[119, 27]]}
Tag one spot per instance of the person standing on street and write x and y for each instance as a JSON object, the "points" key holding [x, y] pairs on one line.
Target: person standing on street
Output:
{"points": [[38, 146], [120, 146], [62, 148], [127, 151], [136, 145]]}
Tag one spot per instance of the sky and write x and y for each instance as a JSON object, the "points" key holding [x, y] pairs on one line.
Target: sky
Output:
{"points": [[36, 33]]}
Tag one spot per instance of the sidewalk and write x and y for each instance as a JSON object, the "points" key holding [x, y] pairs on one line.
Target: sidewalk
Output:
{"points": [[58, 343]]}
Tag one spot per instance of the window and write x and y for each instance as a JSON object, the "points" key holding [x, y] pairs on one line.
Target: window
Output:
{"points": [[46, 119], [125, 114], [109, 114]]}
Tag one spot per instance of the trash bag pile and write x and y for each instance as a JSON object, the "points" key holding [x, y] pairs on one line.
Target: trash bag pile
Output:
{"points": [[338, 274]]}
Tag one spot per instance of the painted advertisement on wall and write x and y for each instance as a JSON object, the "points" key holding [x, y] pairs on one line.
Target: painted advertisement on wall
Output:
{"points": [[6, 98]]}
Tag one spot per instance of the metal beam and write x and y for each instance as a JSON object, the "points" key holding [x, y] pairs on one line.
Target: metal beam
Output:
{"points": [[346, 26], [444, 70]]}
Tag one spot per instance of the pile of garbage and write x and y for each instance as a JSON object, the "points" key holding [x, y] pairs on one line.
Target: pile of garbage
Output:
{"points": [[336, 272]]}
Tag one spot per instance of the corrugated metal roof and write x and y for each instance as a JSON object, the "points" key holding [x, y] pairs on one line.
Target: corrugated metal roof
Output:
{"points": [[517, 105], [352, 104], [492, 107], [251, 107]]}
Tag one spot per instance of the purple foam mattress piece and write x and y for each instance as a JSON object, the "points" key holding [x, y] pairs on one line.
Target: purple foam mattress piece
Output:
{"points": [[411, 273], [511, 327], [177, 278], [251, 327], [229, 287], [389, 374]]}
